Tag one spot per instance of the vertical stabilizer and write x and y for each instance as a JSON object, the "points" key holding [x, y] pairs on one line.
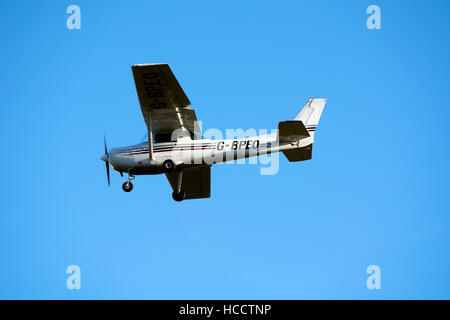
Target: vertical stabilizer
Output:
{"points": [[310, 114]]}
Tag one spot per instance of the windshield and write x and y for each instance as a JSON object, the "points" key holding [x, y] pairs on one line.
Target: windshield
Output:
{"points": [[144, 138]]}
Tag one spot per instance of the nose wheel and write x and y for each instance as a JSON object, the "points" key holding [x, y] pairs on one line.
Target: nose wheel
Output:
{"points": [[128, 186]]}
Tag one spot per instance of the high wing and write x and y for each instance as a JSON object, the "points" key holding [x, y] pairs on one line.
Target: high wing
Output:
{"points": [[196, 182], [163, 101]]}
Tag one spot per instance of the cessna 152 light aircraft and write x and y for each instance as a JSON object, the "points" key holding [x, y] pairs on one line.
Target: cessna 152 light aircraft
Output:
{"points": [[174, 146]]}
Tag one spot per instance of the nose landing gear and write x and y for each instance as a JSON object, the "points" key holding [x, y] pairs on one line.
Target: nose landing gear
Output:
{"points": [[128, 186], [178, 193]]}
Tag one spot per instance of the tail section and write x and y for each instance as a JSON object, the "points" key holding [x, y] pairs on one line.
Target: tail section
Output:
{"points": [[303, 126], [310, 114]]}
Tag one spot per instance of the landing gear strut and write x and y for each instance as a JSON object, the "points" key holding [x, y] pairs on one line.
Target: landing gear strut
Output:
{"points": [[128, 186], [178, 195]]}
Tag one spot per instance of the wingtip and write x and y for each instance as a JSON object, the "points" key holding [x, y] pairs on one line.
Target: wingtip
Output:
{"points": [[148, 64]]}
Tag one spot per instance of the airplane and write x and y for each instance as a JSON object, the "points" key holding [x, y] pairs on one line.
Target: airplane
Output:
{"points": [[175, 146]]}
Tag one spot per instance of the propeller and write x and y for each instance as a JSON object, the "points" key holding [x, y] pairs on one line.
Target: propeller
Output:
{"points": [[106, 159]]}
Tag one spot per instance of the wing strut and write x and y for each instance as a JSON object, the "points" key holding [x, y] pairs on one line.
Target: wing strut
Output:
{"points": [[150, 136]]}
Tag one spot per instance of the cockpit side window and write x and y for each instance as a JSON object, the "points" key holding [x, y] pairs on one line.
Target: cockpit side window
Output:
{"points": [[169, 137], [162, 137]]}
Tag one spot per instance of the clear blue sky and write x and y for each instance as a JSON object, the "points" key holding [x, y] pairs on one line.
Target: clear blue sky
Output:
{"points": [[376, 191]]}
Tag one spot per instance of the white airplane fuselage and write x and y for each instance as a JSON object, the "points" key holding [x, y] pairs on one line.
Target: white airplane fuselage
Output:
{"points": [[187, 153]]}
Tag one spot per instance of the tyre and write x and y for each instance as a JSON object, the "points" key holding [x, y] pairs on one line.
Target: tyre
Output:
{"points": [[168, 166], [178, 196], [127, 186]]}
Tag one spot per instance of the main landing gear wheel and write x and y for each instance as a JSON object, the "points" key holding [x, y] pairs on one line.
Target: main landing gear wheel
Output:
{"points": [[168, 165], [127, 186], [178, 196]]}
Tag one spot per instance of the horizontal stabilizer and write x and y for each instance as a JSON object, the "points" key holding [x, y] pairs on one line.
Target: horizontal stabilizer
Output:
{"points": [[291, 130], [299, 154]]}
